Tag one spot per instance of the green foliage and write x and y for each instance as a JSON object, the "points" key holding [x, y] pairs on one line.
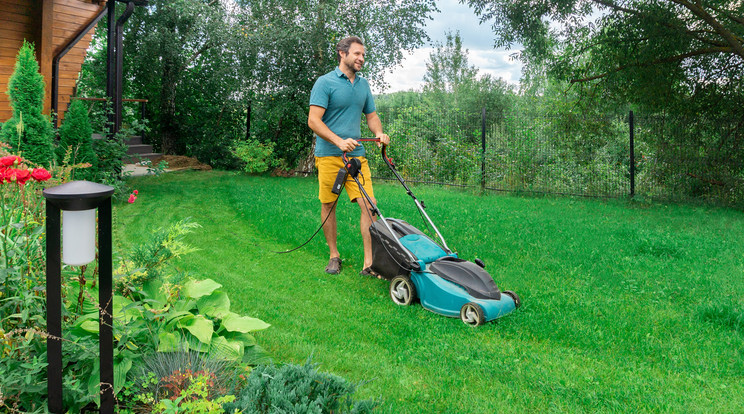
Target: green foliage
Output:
{"points": [[256, 157], [152, 259], [28, 131], [75, 135], [297, 389], [691, 66], [447, 67], [452, 85], [195, 399]]}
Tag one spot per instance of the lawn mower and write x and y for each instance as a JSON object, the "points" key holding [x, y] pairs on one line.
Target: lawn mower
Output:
{"points": [[419, 268]]}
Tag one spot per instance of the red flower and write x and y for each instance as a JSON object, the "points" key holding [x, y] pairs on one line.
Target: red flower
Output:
{"points": [[135, 192], [10, 160], [132, 198], [40, 174], [3, 171], [21, 176]]}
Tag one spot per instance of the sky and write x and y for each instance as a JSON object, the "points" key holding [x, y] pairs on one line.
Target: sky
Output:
{"points": [[476, 37]]}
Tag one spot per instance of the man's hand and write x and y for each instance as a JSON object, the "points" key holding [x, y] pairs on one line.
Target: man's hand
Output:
{"points": [[348, 145], [384, 140]]}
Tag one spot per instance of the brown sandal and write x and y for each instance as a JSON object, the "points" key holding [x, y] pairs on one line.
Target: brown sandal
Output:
{"points": [[367, 271], [334, 266]]}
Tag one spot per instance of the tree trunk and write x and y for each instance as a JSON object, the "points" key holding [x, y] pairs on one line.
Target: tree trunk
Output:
{"points": [[169, 129]]}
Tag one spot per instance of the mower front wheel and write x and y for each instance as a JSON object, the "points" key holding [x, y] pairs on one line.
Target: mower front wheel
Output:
{"points": [[402, 290], [472, 314]]}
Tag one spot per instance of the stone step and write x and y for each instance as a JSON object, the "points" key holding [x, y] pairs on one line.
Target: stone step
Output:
{"points": [[135, 158], [133, 140], [136, 150], [139, 149]]}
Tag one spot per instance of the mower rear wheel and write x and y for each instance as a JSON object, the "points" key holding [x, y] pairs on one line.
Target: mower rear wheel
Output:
{"points": [[517, 301], [472, 314], [402, 290]]}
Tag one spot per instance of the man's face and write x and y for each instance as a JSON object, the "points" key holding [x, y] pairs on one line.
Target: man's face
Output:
{"points": [[354, 60]]}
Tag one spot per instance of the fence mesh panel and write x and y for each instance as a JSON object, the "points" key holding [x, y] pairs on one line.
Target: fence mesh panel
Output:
{"points": [[675, 159]]}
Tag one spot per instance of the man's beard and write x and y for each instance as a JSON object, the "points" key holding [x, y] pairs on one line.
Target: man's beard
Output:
{"points": [[352, 66]]}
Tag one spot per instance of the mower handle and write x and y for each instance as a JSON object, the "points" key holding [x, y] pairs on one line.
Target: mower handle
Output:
{"points": [[388, 161]]}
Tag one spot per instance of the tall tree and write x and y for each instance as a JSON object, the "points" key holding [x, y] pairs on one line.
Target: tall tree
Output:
{"points": [[28, 130], [652, 52], [448, 68], [454, 87]]}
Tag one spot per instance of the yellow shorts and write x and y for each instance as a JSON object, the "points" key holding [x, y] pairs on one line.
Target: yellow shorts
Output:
{"points": [[328, 169]]}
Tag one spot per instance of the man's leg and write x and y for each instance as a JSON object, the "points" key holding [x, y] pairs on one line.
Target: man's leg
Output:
{"points": [[329, 231], [329, 228], [365, 221]]}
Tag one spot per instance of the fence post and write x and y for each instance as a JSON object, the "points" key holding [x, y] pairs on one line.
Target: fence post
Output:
{"points": [[632, 153], [483, 149]]}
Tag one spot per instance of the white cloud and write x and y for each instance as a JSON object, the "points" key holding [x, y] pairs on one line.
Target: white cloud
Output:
{"points": [[476, 37]]}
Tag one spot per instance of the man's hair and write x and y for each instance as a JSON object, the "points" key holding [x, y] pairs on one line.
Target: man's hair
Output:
{"points": [[345, 44]]}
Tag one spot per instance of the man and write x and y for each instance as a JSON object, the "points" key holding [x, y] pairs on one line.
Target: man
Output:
{"points": [[337, 102]]}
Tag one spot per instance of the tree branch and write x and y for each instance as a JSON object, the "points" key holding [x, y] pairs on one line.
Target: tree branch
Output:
{"points": [[735, 19], [734, 41], [616, 7], [669, 59]]}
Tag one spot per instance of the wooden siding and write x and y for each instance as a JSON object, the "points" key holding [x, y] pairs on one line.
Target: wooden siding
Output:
{"points": [[50, 24]]}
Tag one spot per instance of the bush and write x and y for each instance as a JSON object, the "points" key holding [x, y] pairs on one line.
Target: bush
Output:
{"points": [[297, 389], [28, 131], [75, 138], [257, 157]]}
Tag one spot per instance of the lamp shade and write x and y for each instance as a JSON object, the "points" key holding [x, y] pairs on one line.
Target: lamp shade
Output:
{"points": [[78, 237], [78, 201]]}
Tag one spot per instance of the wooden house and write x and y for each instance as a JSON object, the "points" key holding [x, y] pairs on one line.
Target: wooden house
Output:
{"points": [[51, 25]]}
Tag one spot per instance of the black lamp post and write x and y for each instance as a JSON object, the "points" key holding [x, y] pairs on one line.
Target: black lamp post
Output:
{"points": [[78, 201]]}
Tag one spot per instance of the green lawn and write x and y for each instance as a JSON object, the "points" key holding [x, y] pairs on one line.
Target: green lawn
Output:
{"points": [[625, 306]]}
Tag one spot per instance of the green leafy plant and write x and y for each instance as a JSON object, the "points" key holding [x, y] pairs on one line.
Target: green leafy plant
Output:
{"points": [[151, 259], [297, 388], [256, 156], [193, 316]]}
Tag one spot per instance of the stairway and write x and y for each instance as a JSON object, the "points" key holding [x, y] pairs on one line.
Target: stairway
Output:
{"points": [[136, 150]]}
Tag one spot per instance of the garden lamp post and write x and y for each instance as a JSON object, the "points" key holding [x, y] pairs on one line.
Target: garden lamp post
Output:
{"points": [[78, 201]]}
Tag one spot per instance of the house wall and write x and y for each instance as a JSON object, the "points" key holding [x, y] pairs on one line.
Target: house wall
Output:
{"points": [[50, 24]]}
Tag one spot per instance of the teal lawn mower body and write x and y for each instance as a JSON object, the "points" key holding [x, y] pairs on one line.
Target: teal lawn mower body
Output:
{"points": [[419, 268]]}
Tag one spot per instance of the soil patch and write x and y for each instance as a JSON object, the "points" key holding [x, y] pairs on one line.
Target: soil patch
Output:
{"points": [[180, 162]]}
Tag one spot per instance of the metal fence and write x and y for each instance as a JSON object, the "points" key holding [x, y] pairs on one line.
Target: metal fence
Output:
{"points": [[653, 157]]}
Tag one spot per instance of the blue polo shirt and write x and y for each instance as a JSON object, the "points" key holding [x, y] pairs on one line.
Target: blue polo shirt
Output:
{"points": [[344, 103]]}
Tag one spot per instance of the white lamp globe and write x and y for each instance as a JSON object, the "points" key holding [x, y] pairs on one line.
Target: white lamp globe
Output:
{"points": [[78, 237]]}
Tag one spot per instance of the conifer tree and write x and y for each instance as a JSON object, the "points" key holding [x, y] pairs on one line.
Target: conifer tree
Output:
{"points": [[28, 131], [75, 135]]}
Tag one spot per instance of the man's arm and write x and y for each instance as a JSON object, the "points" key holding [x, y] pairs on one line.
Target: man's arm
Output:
{"points": [[375, 125], [315, 122]]}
